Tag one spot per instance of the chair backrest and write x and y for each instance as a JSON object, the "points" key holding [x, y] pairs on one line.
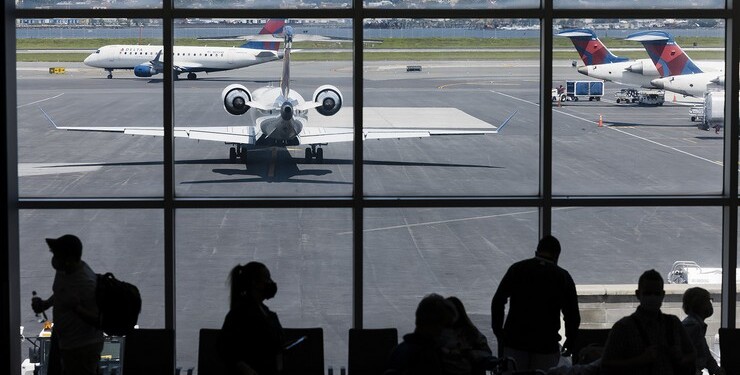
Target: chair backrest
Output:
{"points": [[149, 352], [369, 350], [306, 357], [587, 337], [209, 362], [729, 347]]}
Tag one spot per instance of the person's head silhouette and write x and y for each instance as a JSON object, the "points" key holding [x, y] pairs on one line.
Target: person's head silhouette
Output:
{"points": [[251, 283], [650, 291], [549, 248], [66, 252], [433, 315], [698, 301]]}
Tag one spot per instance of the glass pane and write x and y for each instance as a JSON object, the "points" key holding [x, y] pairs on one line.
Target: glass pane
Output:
{"points": [[641, 4], [259, 149], [78, 4], [308, 253], [607, 249], [265, 4], [613, 135], [62, 82], [434, 100], [127, 243], [447, 4], [410, 253]]}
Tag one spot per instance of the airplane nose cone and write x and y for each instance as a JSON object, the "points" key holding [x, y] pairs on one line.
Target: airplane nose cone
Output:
{"points": [[87, 60], [658, 82], [583, 70]]}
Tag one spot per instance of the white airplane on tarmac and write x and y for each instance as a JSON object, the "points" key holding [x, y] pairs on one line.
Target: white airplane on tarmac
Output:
{"points": [[678, 73], [278, 117], [146, 60]]}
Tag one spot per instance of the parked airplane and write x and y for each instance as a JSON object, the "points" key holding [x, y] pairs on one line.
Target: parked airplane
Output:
{"points": [[600, 63], [278, 117], [146, 60], [678, 73]]}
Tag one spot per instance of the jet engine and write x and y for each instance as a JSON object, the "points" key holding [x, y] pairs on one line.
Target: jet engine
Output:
{"points": [[636, 67], [236, 98], [145, 70], [330, 99]]}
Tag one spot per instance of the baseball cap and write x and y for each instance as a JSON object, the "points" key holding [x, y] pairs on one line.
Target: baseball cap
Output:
{"points": [[67, 244]]}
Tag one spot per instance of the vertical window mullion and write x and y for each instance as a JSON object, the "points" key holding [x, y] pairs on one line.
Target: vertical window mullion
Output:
{"points": [[545, 179]]}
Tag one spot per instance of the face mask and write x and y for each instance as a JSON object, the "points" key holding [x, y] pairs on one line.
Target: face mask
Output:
{"points": [[651, 303], [270, 290]]}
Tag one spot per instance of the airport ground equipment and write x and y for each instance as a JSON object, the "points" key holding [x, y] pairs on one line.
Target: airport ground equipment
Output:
{"points": [[558, 96], [627, 96], [56, 70], [714, 110], [651, 97], [696, 113], [689, 272], [413, 68], [593, 90], [37, 362]]}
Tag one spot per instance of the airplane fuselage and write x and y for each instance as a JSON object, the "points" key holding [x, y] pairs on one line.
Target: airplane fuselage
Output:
{"points": [[640, 72], [203, 59], [276, 127]]}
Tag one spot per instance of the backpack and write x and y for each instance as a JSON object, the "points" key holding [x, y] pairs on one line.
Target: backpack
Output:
{"points": [[119, 304]]}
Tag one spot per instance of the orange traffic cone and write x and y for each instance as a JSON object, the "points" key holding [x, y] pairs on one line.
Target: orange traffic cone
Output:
{"points": [[601, 121]]}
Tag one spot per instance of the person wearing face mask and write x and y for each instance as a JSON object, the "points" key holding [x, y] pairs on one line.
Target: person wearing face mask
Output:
{"points": [[251, 339], [648, 342], [697, 304], [537, 291]]}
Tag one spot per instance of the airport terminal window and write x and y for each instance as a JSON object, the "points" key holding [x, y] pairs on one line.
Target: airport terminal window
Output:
{"points": [[607, 140], [100, 164], [453, 81], [640, 4], [127, 243], [410, 253], [71, 181], [308, 253]]}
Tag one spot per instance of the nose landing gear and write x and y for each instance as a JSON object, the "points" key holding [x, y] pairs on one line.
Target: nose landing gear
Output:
{"points": [[314, 152]]}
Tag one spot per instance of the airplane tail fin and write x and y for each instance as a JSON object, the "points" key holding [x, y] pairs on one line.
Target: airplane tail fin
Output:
{"points": [[272, 27], [667, 55], [590, 48]]}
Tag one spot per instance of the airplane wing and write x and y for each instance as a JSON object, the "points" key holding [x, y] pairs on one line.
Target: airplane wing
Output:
{"points": [[397, 122], [226, 134]]}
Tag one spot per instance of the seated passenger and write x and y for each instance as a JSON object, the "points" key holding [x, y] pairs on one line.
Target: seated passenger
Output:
{"points": [[648, 342], [466, 348], [697, 304], [420, 353]]}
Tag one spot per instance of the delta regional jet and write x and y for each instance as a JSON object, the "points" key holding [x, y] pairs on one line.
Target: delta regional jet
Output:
{"points": [[146, 60], [278, 117], [677, 72]]}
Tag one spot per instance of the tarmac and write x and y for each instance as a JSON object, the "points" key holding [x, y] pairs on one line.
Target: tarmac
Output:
{"points": [[408, 252]]}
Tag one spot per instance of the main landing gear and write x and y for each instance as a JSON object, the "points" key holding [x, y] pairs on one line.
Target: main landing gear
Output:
{"points": [[192, 76], [238, 152], [110, 73], [314, 153]]}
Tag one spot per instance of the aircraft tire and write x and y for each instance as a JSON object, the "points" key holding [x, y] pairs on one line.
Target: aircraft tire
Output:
{"points": [[192, 76], [320, 155], [575, 98], [232, 155], [110, 76], [309, 155], [617, 101]]}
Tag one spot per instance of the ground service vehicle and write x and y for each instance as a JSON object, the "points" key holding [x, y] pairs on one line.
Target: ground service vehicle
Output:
{"points": [[627, 96], [696, 112], [651, 97], [594, 90], [558, 97], [689, 272], [714, 110]]}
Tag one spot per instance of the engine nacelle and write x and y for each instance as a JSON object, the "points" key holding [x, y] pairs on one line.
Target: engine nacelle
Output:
{"points": [[330, 99], [235, 99], [144, 70], [636, 67]]}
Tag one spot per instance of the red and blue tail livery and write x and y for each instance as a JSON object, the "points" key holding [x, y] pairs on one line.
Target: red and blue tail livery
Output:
{"points": [[588, 45], [667, 55], [272, 27]]}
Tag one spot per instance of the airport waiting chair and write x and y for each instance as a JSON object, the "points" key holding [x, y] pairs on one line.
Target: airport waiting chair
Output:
{"points": [[306, 357], [588, 337], [369, 350], [209, 362], [149, 352], [729, 347]]}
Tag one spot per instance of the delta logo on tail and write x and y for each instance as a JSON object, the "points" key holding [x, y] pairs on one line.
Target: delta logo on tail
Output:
{"points": [[272, 27], [590, 48], [667, 55]]}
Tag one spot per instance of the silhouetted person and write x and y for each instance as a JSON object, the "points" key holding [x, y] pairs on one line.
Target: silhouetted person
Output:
{"points": [[537, 290], [75, 310], [648, 341], [251, 339], [420, 353], [697, 304], [465, 338]]}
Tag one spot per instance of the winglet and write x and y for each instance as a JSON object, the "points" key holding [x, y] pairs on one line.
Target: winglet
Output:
{"points": [[506, 122], [667, 55], [54, 124], [590, 48]]}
